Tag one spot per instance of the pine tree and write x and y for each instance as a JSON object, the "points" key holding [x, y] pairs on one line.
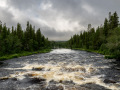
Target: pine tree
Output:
{"points": [[38, 38], [116, 20], [105, 31], [89, 27], [4, 31], [113, 21], [19, 31], [0, 27], [12, 30]]}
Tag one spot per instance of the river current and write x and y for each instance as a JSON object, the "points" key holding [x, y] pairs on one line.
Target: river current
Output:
{"points": [[60, 69]]}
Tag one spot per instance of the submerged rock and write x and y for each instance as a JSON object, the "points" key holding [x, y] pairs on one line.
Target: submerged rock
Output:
{"points": [[32, 74], [55, 87], [14, 79], [79, 78], [93, 86], [109, 81], [4, 78], [76, 69], [68, 82], [37, 80], [53, 82], [38, 68], [76, 87], [1, 63], [91, 70]]}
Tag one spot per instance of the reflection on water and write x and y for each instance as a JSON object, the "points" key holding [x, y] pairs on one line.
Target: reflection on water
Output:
{"points": [[61, 51], [73, 70]]}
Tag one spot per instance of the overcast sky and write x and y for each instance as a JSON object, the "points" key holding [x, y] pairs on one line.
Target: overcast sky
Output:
{"points": [[58, 19]]}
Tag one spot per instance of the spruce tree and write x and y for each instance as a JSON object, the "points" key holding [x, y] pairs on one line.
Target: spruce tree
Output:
{"points": [[106, 27], [116, 20]]}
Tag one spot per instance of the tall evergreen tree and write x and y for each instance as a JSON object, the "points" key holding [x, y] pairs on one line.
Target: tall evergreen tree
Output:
{"points": [[116, 20], [39, 38], [106, 27]]}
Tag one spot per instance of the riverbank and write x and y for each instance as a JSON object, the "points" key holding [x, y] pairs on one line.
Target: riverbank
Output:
{"points": [[95, 51], [24, 53]]}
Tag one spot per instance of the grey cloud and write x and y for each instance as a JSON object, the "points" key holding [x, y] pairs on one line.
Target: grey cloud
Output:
{"points": [[6, 17], [60, 15], [24, 4], [56, 35]]}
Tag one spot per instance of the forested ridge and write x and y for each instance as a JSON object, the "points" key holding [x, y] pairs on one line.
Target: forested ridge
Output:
{"points": [[17, 40], [104, 39]]}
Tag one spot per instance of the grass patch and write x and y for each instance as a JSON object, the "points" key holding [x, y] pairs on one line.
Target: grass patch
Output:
{"points": [[24, 53], [110, 56]]}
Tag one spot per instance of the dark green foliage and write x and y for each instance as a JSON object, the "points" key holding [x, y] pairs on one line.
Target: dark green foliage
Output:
{"points": [[58, 44], [113, 42], [11, 45], [113, 21], [16, 40], [39, 38], [106, 27], [105, 39]]}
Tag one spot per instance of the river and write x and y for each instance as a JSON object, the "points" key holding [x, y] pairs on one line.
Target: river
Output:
{"points": [[60, 69]]}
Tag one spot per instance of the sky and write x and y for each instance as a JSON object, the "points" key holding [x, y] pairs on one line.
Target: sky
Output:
{"points": [[57, 19]]}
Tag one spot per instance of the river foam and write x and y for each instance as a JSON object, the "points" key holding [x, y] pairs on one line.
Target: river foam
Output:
{"points": [[62, 72]]}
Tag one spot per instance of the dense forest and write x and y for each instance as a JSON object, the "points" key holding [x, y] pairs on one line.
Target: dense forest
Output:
{"points": [[104, 39], [58, 44], [17, 40]]}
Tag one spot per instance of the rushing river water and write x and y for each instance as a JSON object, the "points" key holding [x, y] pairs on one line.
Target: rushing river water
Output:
{"points": [[61, 69]]}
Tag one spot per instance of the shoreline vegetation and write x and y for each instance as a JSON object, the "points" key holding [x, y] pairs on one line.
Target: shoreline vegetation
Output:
{"points": [[95, 51], [105, 39], [24, 53], [16, 42]]}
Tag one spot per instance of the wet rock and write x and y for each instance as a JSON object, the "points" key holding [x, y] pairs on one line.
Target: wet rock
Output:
{"points": [[72, 88], [118, 68], [76, 87], [92, 86], [73, 69], [14, 79], [48, 69], [37, 80], [61, 81], [83, 69], [39, 87], [4, 78], [109, 81], [32, 74], [53, 82], [60, 87], [1, 63], [38, 68], [68, 82], [55, 87], [79, 78], [117, 84], [91, 70]]}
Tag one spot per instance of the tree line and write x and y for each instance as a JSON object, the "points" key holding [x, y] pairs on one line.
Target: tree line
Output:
{"points": [[16, 40], [58, 44], [105, 38]]}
